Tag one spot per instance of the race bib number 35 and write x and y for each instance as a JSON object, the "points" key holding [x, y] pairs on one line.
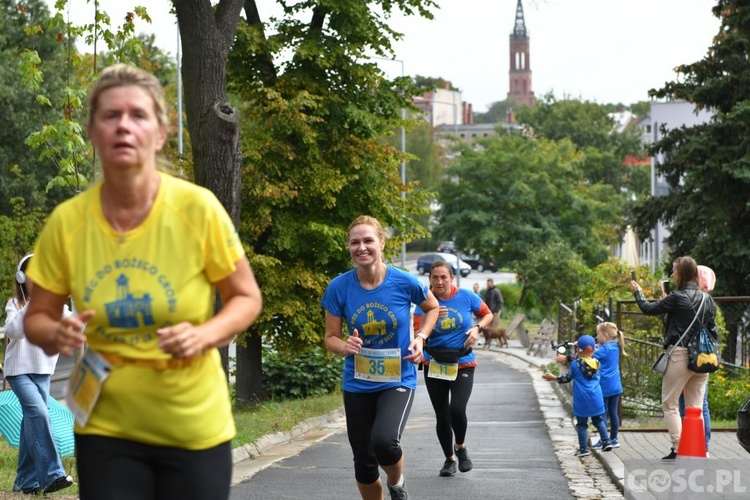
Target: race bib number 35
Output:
{"points": [[378, 365]]}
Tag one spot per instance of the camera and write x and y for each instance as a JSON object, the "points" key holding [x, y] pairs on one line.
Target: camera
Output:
{"points": [[562, 347]]}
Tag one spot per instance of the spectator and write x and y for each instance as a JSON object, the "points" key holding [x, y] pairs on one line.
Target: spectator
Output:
{"points": [[494, 300], [682, 307], [28, 370], [588, 401]]}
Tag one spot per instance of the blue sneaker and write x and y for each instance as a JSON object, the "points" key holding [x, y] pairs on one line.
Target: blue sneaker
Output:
{"points": [[615, 443], [607, 446], [597, 446], [582, 453]]}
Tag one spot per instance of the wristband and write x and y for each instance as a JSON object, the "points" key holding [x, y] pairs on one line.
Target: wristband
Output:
{"points": [[421, 336]]}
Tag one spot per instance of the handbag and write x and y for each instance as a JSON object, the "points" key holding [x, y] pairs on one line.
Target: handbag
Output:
{"points": [[660, 366], [662, 362], [702, 351]]}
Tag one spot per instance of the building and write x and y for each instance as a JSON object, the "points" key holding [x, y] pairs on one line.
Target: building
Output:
{"points": [[519, 87], [444, 107], [670, 115]]}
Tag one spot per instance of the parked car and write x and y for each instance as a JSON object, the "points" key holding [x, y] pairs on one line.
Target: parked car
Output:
{"points": [[447, 246], [478, 263], [425, 260], [743, 425]]}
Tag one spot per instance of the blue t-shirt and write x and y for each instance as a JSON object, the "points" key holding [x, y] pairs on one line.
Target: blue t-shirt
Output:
{"points": [[587, 393], [608, 355], [381, 316], [450, 331]]}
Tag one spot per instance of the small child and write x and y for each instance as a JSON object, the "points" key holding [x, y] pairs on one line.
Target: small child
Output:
{"points": [[587, 394], [611, 345]]}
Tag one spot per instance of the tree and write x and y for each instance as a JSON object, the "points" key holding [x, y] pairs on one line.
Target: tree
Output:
{"points": [[516, 193], [314, 158], [24, 38], [706, 166], [497, 113]]}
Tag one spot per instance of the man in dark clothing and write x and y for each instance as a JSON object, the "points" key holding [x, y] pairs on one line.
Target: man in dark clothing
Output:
{"points": [[494, 300]]}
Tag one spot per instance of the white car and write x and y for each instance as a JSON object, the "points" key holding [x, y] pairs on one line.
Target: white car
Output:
{"points": [[425, 260]]}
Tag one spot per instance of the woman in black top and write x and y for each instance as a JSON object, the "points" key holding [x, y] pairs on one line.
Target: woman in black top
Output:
{"points": [[681, 308]]}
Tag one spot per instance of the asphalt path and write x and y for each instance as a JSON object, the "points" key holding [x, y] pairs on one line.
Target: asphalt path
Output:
{"points": [[507, 440]]}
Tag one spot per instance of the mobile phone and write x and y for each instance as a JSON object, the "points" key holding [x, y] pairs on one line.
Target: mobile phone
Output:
{"points": [[632, 275], [665, 287]]}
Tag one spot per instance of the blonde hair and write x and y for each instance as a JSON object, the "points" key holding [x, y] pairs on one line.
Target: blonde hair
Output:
{"points": [[611, 332], [369, 221], [124, 75]]}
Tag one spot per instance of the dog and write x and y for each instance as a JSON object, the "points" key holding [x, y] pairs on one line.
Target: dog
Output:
{"points": [[491, 332]]}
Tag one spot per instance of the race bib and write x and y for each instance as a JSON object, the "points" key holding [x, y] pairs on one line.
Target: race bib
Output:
{"points": [[444, 371], [85, 385], [378, 365]]}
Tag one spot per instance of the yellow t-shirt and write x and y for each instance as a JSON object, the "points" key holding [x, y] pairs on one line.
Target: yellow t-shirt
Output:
{"points": [[160, 274]]}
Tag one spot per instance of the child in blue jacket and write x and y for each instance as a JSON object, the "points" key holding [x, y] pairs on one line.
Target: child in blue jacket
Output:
{"points": [[588, 401], [611, 346]]}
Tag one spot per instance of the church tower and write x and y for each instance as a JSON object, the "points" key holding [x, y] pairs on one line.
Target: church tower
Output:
{"points": [[519, 89]]}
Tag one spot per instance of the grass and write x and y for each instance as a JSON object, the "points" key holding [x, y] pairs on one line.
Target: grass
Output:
{"points": [[278, 416], [252, 423]]}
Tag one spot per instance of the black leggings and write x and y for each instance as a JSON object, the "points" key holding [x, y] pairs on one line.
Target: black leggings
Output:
{"points": [[449, 399], [374, 423], [118, 469]]}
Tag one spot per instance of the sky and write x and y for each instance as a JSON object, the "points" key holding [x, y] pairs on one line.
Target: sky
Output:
{"points": [[606, 51]]}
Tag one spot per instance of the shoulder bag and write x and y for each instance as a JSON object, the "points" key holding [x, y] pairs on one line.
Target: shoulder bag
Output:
{"points": [[660, 366]]}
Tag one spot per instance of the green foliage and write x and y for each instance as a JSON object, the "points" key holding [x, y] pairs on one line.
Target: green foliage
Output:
{"points": [[589, 126], [313, 373], [19, 231], [429, 83], [516, 193], [706, 166], [726, 393], [497, 112], [554, 273], [314, 156]]}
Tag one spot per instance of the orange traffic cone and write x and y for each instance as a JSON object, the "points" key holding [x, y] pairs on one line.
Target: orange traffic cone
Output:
{"points": [[693, 439]]}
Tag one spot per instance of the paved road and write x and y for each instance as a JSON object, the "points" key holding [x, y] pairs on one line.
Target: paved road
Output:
{"points": [[508, 440]]}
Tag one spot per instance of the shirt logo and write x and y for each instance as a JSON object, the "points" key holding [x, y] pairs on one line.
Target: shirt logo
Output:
{"points": [[128, 311]]}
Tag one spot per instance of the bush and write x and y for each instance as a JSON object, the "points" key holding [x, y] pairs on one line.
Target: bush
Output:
{"points": [[726, 393], [314, 373]]}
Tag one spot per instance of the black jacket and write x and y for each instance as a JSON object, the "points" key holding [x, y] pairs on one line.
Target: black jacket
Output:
{"points": [[680, 308]]}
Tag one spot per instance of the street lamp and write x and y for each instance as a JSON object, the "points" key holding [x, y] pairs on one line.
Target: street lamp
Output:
{"points": [[403, 160]]}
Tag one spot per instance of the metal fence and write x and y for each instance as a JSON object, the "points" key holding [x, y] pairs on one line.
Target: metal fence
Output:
{"points": [[641, 399]]}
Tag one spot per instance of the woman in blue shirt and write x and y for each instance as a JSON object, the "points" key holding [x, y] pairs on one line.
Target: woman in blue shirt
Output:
{"points": [[374, 301]]}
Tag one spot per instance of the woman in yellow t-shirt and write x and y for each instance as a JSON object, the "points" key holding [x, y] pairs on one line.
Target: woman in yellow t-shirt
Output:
{"points": [[141, 253]]}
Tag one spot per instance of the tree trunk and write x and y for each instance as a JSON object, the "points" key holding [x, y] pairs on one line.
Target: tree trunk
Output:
{"points": [[249, 364], [207, 34]]}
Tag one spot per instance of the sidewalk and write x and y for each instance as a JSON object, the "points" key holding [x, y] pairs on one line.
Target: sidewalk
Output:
{"points": [[639, 448]]}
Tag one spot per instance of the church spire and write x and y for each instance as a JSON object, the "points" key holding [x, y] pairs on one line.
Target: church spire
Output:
{"points": [[519, 89], [519, 30]]}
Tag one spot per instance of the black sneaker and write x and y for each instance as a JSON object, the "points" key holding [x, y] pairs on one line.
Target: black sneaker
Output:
{"points": [[449, 468], [58, 484], [464, 462], [672, 455], [398, 492], [582, 453]]}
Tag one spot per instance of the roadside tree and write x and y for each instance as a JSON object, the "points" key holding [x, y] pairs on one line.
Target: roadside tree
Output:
{"points": [[706, 165]]}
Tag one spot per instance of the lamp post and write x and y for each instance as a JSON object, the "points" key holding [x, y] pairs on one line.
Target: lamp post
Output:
{"points": [[455, 130], [403, 151]]}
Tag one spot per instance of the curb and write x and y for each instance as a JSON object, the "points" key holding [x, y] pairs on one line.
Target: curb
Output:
{"points": [[252, 450]]}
